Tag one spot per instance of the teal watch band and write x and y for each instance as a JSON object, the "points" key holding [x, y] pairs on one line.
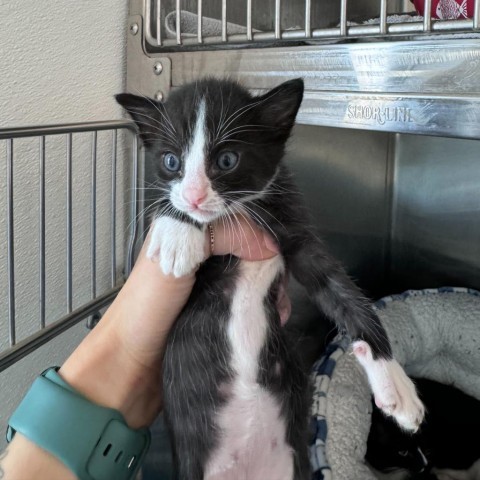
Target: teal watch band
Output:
{"points": [[93, 441]]}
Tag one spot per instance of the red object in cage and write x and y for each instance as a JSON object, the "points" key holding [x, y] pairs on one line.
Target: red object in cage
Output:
{"points": [[447, 9]]}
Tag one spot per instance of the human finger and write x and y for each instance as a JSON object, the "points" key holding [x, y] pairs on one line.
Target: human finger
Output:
{"points": [[241, 236]]}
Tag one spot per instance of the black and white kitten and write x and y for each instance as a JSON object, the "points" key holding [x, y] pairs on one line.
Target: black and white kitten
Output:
{"points": [[236, 401]]}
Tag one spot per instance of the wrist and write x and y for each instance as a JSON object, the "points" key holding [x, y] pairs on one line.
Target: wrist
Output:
{"points": [[103, 371], [118, 365], [77, 432]]}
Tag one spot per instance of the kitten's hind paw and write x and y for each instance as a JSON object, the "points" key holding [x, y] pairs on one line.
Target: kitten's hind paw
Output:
{"points": [[394, 392]]}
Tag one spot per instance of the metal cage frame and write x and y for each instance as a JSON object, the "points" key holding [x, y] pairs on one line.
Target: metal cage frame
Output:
{"points": [[155, 38], [18, 350]]}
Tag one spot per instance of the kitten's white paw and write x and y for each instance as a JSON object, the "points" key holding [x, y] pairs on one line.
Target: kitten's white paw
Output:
{"points": [[178, 247], [394, 392]]}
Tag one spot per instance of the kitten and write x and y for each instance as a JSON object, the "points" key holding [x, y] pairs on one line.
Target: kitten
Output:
{"points": [[236, 400], [391, 452], [443, 448]]}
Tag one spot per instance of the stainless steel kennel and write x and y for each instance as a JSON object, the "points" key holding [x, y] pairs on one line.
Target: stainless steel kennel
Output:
{"points": [[386, 148], [387, 145]]}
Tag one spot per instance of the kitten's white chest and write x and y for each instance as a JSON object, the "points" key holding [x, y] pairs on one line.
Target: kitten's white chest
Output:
{"points": [[252, 442]]}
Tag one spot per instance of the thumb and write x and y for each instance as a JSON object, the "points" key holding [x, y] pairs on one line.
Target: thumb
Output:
{"points": [[242, 237]]}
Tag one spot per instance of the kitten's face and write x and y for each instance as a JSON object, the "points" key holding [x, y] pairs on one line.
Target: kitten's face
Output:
{"points": [[214, 145]]}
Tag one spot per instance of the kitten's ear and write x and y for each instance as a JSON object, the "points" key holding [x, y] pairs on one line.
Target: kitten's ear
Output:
{"points": [[144, 112], [279, 106]]}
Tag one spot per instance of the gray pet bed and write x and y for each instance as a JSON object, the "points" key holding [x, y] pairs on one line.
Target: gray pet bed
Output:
{"points": [[435, 334]]}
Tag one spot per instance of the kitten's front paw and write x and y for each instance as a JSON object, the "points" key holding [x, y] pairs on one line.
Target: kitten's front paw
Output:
{"points": [[178, 247], [394, 392]]}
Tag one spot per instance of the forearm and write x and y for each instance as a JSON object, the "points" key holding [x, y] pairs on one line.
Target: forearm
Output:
{"points": [[108, 367], [23, 460], [118, 365]]}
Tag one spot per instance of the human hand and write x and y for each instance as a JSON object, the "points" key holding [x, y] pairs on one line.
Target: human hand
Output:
{"points": [[118, 365], [240, 236], [126, 348]]}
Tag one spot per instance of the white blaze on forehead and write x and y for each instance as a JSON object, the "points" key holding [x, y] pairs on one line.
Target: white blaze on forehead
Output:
{"points": [[194, 194], [194, 170]]}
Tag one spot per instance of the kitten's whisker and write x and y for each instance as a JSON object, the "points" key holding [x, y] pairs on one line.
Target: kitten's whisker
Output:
{"points": [[167, 140], [220, 122], [281, 188], [142, 213], [253, 231], [136, 111], [257, 217], [165, 117], [223, 117], [252, 128], [256, 204], [157, 133], [241, 111], [148, 188], [228, 231], [230, 237], [235, 141], [240, 233], [156, 130], [234, 231], [237, 131]]}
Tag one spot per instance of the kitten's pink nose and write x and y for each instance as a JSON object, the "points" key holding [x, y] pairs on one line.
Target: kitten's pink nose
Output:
{"points": [[195, 196]]}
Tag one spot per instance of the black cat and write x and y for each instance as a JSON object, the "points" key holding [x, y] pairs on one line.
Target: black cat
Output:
{"points": [[446, 440]]}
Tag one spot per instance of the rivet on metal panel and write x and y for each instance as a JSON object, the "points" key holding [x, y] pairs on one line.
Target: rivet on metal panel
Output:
{"points": [[159, 96], [157, 68], [133, 28]]}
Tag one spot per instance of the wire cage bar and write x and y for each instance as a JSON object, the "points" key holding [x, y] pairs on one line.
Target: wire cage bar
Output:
{"points": [[10, 245], [173, 24], [99, 297]]}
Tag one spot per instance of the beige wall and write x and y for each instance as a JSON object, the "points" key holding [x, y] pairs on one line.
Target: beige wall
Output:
{"points": [[60, 61]]}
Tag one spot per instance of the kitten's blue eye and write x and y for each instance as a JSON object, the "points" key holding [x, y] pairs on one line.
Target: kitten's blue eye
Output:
{"points": [[171, 162], [227, 160]]}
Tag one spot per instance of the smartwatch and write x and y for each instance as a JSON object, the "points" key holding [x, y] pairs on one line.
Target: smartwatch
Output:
{"points": [[94, 442]]}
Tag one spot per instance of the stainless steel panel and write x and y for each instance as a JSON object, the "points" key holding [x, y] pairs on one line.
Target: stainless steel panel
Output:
{"points": [[344, 175], [143, 75], [430, 115], [436, 213], [401, 211], [428, 67], [428, 87], [412, 87]]}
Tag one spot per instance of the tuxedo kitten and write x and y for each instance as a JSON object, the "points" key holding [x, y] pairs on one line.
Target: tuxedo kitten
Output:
{"points": [[445, 446], [236, 400]]}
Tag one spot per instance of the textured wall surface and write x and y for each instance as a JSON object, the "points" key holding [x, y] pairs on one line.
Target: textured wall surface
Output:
{"points": [[60, 62]]}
